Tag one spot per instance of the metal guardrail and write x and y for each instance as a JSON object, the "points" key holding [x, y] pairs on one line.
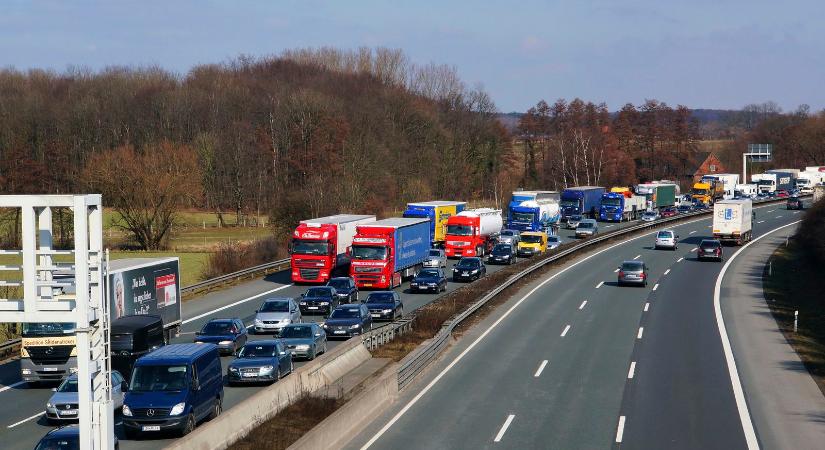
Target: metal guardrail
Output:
{"points": [[421, 357], [385, 333], [274, 266], [10, 347]]}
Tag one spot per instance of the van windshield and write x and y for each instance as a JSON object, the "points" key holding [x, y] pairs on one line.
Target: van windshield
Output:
{"points": [[158, 379], [531, 239]]}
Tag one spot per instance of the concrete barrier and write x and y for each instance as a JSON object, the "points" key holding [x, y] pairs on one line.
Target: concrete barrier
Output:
{"points": [[236, 422], [349, 420]]}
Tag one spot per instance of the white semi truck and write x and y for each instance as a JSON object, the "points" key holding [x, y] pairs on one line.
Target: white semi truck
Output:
{"points": [[733, 220]]}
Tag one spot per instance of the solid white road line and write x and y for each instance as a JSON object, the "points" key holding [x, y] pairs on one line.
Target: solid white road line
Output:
{"points": [[239, 302], [566, 329], [600, 284], [504, 428], [694, 249], [620, 430], [761, 221], [26, 419], [616, 271], [667, 271], [540, 369], [692, 232], [733, 372], [637, 257], [647, 306], [640, 333], [680, 259], [12, 386], [486, 332], [582, 305], [632, 370], [796, 212], [656, 286]]}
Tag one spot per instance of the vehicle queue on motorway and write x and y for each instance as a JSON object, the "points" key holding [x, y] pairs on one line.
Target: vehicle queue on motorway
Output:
{"points": [[384, 254]]}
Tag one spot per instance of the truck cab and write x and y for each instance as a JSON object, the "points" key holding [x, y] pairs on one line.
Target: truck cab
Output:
{"points": [[532, 243], [48, 351]]}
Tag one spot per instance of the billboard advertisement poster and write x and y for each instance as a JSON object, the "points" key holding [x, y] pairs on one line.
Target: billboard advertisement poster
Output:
{"points": [[149, 290]]}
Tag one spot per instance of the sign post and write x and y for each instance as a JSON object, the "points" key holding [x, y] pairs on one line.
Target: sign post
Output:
{"points": [[755, 153]]}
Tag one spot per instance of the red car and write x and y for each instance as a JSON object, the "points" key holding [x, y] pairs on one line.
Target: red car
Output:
{"points": [[782, 194], [669, 212]]}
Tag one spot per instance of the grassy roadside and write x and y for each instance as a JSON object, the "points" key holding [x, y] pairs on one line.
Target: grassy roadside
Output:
{"points": [[795, 284], [290, 424]]}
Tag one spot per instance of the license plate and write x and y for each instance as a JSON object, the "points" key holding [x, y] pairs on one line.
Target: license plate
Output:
{"points": [[367, 284], [249, 375], [312, 307], [339, 332], [71, 412], [464, 274], [150, 428], [375, 315], [50, 369]]}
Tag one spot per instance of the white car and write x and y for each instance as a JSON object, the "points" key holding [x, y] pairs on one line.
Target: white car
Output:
{"points": [[553, 242], [436, 258], [666, 239]]}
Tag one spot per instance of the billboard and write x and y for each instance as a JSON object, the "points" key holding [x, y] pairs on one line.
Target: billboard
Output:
{"points": [[146, 290]]}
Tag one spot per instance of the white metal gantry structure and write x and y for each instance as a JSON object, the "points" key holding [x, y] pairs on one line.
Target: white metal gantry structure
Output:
{"points": [[89, 308]]}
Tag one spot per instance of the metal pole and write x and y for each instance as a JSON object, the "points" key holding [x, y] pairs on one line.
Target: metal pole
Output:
{"points": [[744, 168], [795, 320], [84, 363]]}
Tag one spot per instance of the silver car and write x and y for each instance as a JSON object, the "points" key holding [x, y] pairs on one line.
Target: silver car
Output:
{"points": [[573, 221], [276, 313], [553, 241], [587, 228], [632, 272], [436, 258], [650, 216], [511, 237], [62, 406]]}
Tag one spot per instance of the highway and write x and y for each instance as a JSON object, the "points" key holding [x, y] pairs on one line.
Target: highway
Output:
{"points": [[22, 426], [574, 361]]}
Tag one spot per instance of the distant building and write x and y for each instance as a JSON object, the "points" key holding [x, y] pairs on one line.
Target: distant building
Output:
{"points": [[704, 163]]}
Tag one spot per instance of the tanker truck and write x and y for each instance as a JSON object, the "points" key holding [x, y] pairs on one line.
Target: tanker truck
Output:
{"points": [[533, 210], [473, 232]]}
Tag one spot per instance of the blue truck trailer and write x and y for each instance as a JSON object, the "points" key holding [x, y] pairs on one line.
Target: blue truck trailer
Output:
{"points": [[387, 251], [581, 200], [438, 212], [533, 211]]}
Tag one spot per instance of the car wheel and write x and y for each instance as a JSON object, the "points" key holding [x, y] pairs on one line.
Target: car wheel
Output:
{"points": [[311, 355], [278, 373], [400, 312], [189, 426], [217, 408]]}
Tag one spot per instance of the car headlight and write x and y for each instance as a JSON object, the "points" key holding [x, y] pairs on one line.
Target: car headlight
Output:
{"points": [[224, 342], [258, 321], [233, 369], [325, 326], [126, 411], [474, 271], [324, 303], [355, 327], [266, 369], [48, 405], [302, 303], [199, 342], [386, 311], [72, 369], [177, 409], [302, 347]]}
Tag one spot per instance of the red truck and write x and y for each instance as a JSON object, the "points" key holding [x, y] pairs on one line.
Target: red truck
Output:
{"points": [[320, 246], [387, 251], [472, 232]]}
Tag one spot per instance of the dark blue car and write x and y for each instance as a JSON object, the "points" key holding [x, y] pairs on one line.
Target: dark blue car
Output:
{"points": [[429, 280], [318, 300], [228, 334], [260, 361], [64, 438], [348, 320], [385, 305]]}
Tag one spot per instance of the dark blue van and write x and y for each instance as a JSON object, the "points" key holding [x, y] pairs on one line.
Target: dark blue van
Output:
{"points": [[172, 389]]}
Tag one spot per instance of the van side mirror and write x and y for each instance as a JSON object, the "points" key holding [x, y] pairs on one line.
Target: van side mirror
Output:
{"points": [[196, 386], [54, 389]]}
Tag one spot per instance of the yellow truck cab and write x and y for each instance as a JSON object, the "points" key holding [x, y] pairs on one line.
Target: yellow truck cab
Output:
{"points": [[532, 243]]}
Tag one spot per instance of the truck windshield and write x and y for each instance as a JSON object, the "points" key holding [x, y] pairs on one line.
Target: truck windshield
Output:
{"points": [[531, 239], [611, 202], [459, 230], [47, 329], [305, 247], [522, 216], [570, 203], [765, 182], [369, 252], [158, 379], [700, 192], [121, 341]]}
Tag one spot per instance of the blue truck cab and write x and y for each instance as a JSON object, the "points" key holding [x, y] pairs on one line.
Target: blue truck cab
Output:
{"points": [[584, 200], [172, 389], [533, 211]]}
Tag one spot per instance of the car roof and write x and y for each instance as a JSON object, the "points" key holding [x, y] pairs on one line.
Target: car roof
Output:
{"points": [[126, 324], [269, 341], [277, 299], [223, 320], [350, 306], [65, 431], [176, 353], [588, 221], [710, 241]]}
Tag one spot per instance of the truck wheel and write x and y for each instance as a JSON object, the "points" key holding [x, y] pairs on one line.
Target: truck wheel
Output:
{"points": [[189, 426], [216, 409]]}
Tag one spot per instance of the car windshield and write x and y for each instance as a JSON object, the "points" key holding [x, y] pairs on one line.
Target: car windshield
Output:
{"points": [[59, 443], [68, 385], [345, 313], [275, 306], [611, 202], [710, 244], [257, 350], [158, 379], [435, 253], [467, 264], [339, 284], [428, 273], [665, 235], [531, 239], [553, 239], [575, 218], [380, 297], [522, 216], [649, 214], [48, 329], [501, 249], [217, 328], [632, 267], [585, 225], [304, 247], [508, 233], [297, 332], [318, 292], [369, 252], [460, 230]]}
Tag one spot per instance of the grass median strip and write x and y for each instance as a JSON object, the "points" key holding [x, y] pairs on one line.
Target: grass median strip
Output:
{"points": [[290, 424]]}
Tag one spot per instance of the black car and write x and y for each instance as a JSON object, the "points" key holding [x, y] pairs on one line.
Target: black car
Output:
{"points": [[469, 268], [794, 203], [345, 289], [318, 300], [385, 305], [133, 337], [709, 249], [430, 279], [228, 334], [348, 320], [64, 438], [502, 254]]}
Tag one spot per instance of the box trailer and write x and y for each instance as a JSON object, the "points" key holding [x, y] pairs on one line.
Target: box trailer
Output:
{"points": [[386, 252], [584, 200], [437, 212], [733, 220], [319, 247]]}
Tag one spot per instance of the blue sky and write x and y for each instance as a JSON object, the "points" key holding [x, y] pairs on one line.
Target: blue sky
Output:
{"points": [[700, 53]]}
